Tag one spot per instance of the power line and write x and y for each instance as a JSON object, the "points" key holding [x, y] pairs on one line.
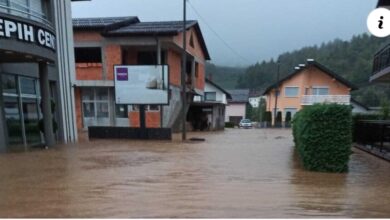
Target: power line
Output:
{"points": [[216, 34]]}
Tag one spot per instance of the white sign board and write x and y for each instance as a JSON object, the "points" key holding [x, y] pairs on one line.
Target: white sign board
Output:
{"points": [[141, 85]]}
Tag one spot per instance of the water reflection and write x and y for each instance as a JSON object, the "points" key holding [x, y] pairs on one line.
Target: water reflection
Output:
{"points": [[316, 193]]}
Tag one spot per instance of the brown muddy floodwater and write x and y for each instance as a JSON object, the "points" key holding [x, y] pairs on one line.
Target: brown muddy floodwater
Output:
{"points": [[236, 173]]}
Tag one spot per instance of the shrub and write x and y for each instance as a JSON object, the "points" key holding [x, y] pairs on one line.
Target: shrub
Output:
{"points": [[385, 109], [288, 119], [278, 121], [323, 137], [268, 117], [229, 124]]}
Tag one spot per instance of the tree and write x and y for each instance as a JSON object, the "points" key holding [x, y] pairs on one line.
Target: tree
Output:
{"points": [[385, 109]]}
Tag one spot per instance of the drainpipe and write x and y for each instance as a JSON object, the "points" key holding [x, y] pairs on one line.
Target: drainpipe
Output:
{"points": [[158, 43], [183, 73]]}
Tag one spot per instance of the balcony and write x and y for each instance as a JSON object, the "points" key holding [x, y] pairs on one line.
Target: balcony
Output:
{"points": [[22, 9], [313, 99], [381, 66]]}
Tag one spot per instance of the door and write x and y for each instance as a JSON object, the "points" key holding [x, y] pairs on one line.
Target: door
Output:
{"points": [[96, 107]]}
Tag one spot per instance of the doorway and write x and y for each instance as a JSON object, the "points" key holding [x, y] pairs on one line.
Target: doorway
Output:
{"points": [[21, 97]]}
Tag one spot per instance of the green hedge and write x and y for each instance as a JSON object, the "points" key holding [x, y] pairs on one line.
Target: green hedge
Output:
{"points": [[323, 137], [229, 124], [268, 117]]}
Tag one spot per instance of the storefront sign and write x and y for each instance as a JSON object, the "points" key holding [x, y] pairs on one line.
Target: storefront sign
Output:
{"points": [[27, 33]]}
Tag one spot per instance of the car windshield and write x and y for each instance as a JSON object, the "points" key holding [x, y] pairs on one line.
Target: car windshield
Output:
{"points": [[246, 121]]}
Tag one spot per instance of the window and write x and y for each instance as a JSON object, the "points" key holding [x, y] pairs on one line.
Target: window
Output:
{"points": [[210, 96], [95, 102], [150, 58], [320, 91], [88, 54], [291, 91], [5, 4], [135, 108], [27, 86], [22, 112], [121, 111], [32, 9], [9, 84], [153, 108]]}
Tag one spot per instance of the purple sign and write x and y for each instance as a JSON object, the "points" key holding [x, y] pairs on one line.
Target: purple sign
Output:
{"points": [[122, 74]]}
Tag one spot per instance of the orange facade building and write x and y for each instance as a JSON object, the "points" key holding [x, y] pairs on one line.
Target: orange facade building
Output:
{"points": [[308, 84], [101, 43]]}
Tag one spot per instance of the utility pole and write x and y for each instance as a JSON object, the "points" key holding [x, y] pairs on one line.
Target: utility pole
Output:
{"points": [[276, 93], [184, 72]]}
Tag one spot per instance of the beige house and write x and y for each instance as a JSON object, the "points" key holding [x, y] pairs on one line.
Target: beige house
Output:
{"points": [[308, 84]]}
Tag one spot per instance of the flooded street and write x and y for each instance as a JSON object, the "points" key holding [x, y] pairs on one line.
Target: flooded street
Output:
{"points": [[236, 173]]}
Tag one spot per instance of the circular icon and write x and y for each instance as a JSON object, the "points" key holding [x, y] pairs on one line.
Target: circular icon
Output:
{"points": [[378, 22]]}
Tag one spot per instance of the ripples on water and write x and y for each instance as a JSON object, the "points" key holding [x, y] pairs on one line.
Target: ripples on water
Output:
{"points": [[236, 173]]}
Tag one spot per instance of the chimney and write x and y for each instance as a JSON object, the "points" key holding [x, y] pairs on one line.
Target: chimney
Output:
{"points": [[310, 60]]}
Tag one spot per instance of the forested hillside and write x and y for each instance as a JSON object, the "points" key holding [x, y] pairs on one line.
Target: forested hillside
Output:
{"points": [[226, 77], [351, 59]]}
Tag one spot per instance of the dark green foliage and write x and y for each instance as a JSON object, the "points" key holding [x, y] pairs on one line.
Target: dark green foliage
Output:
{"points": [[229, 124], [385, 109], [249, 111], [262, 110], [278, 120], [288, 119], [268, 117], [351, 59], [224, 76], [323, 137]]}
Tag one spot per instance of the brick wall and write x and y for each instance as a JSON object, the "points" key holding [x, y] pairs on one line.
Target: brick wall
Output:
{"points": [[200, 80], [81, 36], [79, 119], [89, 71], [174, 62], [153, 119], [113, 56]]}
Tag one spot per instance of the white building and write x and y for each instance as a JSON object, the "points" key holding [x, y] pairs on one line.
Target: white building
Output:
{"points": [[208, 111], [236, 108]]}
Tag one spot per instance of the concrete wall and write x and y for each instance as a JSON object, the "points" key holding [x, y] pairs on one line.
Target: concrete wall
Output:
{"points": [[66, 69], [3, 134]]}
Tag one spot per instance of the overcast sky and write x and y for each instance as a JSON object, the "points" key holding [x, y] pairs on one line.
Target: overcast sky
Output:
{"points": [[255, 29]]}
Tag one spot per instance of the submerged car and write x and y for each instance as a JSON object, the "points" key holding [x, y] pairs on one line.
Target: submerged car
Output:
{"points": [[245, 123]]}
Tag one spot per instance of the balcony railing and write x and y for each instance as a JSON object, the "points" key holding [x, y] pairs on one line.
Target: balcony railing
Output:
{"points": [[381, 60], [313, 99], [22, 11]]}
